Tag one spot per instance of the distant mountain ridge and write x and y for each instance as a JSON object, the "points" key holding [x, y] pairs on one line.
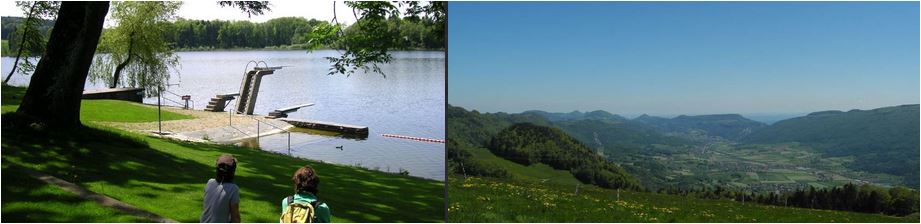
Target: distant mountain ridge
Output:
{"points": [[577, 115], [727, 126]]}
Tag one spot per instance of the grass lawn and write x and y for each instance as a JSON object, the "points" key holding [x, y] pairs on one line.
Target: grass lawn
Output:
{"points": [[97, 110], [26, 199], [167, 177], [495, 200]]}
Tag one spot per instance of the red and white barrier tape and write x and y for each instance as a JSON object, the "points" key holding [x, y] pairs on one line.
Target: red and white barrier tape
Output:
{"points": [[414, 138]]}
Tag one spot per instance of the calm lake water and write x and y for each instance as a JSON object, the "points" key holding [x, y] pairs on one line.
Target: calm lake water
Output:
{"points": [[409, 101]]}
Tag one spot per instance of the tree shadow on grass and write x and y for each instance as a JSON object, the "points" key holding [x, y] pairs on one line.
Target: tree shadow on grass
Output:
{"points": [[29, 200], [102, 158], [11, 95], [109, 158]]}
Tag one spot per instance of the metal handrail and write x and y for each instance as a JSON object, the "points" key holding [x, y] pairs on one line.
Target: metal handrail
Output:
{"points": [[258, 128], [180, 97]]}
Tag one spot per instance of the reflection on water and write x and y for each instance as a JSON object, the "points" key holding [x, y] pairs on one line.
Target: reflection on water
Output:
{"points": [[409, 101]]}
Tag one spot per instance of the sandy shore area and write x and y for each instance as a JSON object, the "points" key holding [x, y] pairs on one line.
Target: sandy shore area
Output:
{"points": [[206, 126]]}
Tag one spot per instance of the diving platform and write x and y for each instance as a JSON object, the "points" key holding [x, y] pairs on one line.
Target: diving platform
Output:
{"points": [[327, 126], [283, 112], [218, 102]]}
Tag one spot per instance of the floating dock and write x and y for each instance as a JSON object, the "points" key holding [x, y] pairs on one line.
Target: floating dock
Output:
{"points": [[327, 126]]}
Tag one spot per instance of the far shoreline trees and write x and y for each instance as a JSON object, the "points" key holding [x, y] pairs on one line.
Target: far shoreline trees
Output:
{"points": [[278, 33]]}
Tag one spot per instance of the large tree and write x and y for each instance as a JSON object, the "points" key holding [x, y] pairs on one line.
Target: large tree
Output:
{"points": [[54, 93], [137, 47]]}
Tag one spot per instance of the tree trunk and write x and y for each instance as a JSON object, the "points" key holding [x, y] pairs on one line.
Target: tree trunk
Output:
{"points": [[54, 93], [21, 43], [118, 69]]}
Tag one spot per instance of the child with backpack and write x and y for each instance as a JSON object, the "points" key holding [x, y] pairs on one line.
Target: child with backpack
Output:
{"points": [[304, 206], [222, 196]]}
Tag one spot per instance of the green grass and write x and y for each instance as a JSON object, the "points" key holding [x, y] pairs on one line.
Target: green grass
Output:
{"points": [[10, 97], [167, 177], [537, 172], [97, 110], [494, 200], [26, 199], [122, 111]]}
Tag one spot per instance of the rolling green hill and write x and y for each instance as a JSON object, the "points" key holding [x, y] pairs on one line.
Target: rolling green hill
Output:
{"points": [[885, 139], [528, 144]]}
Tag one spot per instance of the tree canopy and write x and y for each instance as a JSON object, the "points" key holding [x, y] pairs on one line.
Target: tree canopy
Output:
{"points": [[29, 38], [367, 42], [137, 46]]}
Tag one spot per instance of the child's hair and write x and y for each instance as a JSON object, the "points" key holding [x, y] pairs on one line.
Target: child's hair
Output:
{"points": [[226, 167], [306, 180]]}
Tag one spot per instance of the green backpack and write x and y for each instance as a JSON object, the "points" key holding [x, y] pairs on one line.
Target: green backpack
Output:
{"points": [[299, 212]]}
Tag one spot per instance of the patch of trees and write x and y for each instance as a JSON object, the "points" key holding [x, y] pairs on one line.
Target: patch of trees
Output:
{"points": [[898, 201], [288, 32], [411, 33], [526, 144], [12, 31], [472, 129]]}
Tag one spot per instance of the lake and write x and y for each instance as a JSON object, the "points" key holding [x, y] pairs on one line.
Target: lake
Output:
{"points": [[409, 101]]}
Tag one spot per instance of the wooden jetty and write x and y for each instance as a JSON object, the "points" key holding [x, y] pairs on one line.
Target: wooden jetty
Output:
{"points": [[126, 94], [327, 126]]}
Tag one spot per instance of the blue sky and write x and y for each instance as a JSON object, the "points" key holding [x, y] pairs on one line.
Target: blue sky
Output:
{"points": [[669, 58]]}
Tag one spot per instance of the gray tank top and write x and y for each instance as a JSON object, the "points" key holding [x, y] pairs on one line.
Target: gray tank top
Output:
{"points": [[218, 198]]}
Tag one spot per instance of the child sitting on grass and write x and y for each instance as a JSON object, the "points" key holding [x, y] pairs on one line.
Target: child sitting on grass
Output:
{"points": [[222, 196], [304, 206]]}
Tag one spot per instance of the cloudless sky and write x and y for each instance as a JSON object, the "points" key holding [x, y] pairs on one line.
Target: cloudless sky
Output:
{"points": [[672, 58]]}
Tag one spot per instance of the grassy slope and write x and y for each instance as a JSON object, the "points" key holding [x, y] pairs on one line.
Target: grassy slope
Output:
{"points": [[26, 199], [167, 177], [97, 110], [536, 172], [492, 200]]}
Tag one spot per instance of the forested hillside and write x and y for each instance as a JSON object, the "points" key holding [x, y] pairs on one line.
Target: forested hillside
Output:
{"points": [[883, 140], [529, 144]]}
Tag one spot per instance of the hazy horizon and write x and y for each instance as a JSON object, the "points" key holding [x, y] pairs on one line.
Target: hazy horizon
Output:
{"points": [[671, 58], [760, 117]]}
